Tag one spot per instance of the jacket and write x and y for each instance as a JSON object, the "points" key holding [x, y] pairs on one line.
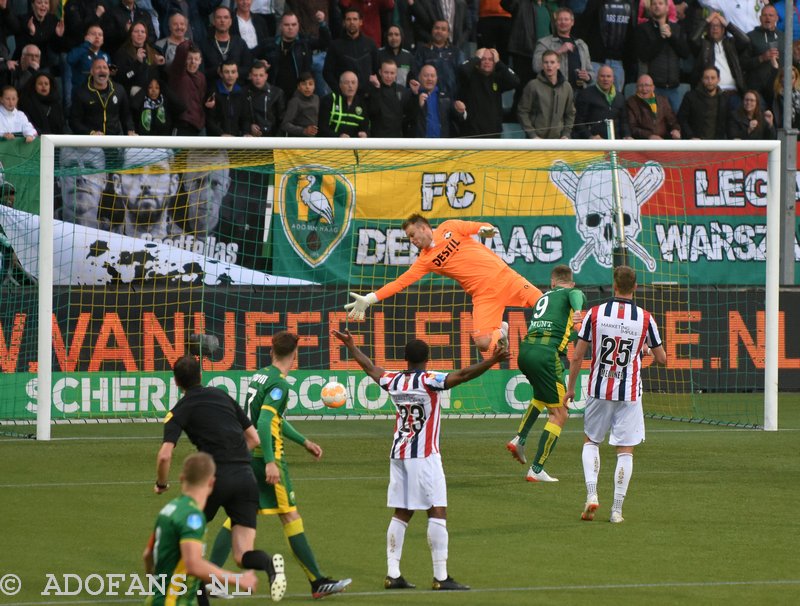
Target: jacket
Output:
{"points": [[418, 116], [547, 110], [189, 89], [230, 114], [337, 117], [106, 111], [358, 55], [266, 107], [703, 116], [732, 46], [661, 55], [388, 107], [552, 43], [301, 111], [285, 68], [739, 125], [592, 109], [644, 123], [483, 97], [522, 39], [426, 12]]}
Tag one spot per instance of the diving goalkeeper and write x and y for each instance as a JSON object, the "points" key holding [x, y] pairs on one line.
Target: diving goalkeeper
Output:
{"points": [[449, 250]]}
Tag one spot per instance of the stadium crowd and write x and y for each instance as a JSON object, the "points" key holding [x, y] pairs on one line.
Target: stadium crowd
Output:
{"points": [[660, 69]]}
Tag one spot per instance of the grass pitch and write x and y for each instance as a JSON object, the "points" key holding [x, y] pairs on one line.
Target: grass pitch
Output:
{"points": [[710, 515]]}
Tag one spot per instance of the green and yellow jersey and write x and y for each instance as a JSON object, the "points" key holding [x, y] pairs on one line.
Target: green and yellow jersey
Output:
{"points": [[551, 322]]}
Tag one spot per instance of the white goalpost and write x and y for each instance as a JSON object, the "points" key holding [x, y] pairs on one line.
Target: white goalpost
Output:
{"points": [[50, 144]]}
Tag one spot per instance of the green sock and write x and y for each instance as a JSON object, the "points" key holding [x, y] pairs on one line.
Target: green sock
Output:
{"points": [[525, 426], [222, 547], [296, 537], [546, 445]]}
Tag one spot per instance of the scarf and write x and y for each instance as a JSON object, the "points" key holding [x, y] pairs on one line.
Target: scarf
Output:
{"points": [[612, 92], [652, 103]]}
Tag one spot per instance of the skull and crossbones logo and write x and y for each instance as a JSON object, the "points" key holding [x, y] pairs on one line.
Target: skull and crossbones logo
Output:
{"points": [[592, 196]]}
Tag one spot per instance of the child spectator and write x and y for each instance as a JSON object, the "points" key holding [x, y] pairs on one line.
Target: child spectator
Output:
{"points": [[302, 112], [265, 101], [13, 121], [155, 110]]}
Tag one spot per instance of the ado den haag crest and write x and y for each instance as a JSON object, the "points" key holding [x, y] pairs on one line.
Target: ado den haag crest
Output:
{"points": [[591, 194], [316, 206]]}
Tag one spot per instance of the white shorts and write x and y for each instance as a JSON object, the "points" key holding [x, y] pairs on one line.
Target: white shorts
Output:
{"points": [[417, 484], [624, 419]]}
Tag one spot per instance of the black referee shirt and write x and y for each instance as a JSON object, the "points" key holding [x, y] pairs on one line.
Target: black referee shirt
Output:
{"points": [[213, 422]]}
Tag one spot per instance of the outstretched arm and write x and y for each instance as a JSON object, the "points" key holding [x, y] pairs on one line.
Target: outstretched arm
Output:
{"points": [[470, 372], [374, 372]]}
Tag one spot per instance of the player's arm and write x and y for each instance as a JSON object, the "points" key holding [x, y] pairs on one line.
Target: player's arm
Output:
{"points": [[251, 437], [577, 300], [469, 228], [356, 309], [196, 566], [470, 372], [291, 433], [373, 372], [271, 472], [574, 369], [147, 556]]}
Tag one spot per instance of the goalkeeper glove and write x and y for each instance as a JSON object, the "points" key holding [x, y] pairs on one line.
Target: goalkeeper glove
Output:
{"points": [[487, 231], [355, 310]]}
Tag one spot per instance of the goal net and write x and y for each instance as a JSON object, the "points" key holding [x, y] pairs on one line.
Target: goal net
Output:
{"points": [[142, 251]]}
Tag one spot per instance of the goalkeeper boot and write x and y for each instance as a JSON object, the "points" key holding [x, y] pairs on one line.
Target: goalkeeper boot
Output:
{"points": [[502, 342], [517, 450], [591, 506], [616, 517], [539, 476], [397, 583], [449, 584], [326, 586]]}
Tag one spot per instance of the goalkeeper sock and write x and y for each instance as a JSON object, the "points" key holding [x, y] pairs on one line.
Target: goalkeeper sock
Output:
{"points": [[525, 426], [222, 545], [296, 537], [591, 466], [622, 477], [546, 445], [395, 537], [437, 541]]}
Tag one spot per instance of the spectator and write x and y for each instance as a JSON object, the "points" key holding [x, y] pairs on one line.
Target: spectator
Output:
{"points": [[650, 116], [547, 109], [598, 103], [290, 53], [40, 28], [432, 114], [188, 83], [265, 101], [270, 11], [99, 107], [482, 82], [607, 27], [42, 104], [307, 12], [778, 103], [178, 32], [227, 114], [82, 57], [220, 46], [155, 110], [395, 51], [388, 103], [371, 11], [761, 64], [645, 12], [29, 65], [427, 12], [494, 27], [137, 60], [748, 121], [660, 46], [576, 65], [703, 113], [780, 6], [445, 57], [252, 28], [302, 111], [78, 16], [118, 19], [720, 44], [13, 122], [744, 14], [353, 52], [344, 114]]}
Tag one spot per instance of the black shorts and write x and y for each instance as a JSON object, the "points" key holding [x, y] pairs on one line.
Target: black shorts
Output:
{"points": [[236, 491]]}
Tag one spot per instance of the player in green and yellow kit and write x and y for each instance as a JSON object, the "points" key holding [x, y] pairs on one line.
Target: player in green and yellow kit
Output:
{"points": [[175, 549], [267, 398], [550, 330]]}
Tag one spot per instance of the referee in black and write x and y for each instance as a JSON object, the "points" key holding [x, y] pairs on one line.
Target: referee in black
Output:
{"points": [[216, 425]]}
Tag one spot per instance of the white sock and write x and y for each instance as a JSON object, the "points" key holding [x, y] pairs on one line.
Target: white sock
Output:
{"points": [[394, 546], [591, 466], [622, 477], [437, 541]]}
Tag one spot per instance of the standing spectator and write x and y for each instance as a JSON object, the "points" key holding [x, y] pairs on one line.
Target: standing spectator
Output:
{"points": [[482, 82], [748, 121], [744, 14], [388, 103], [607, 27], [371, 11], [778, 103], [353, 52], [547, 109], [635, 333], [307, 12], [155, 110], [251, 27], [188, 82], [178, 32], [431, 113], [227, 114], [660, 46], [395, 51], [650, 116], [220, 46], [598, 103], [576, 65], [137, 60], [40, 28], [43, 105], [82, 57], [443, 55], [270, 11], [99, 107], [290, 53], [265, 103], [494, 27], [416, 477], [344, 114], [29, 65], [427, 12], [720, 44], [761, 64], [78, 16], [704, 110], [118, 19], [13, 122], [302, 111]]}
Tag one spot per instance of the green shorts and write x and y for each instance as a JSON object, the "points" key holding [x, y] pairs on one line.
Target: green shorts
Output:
{"points": [[278, 498], [542, 367]]}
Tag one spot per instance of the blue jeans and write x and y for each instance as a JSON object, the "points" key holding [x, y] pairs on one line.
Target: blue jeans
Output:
{"points": [[321, 87], [673, 95]]}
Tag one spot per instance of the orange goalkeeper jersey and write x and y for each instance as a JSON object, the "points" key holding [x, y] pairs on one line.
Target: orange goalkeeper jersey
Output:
{"points": [[455, 254]]}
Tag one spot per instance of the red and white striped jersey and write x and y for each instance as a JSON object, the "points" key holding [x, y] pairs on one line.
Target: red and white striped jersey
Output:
{"points": [[617, 331], [415, 394]]}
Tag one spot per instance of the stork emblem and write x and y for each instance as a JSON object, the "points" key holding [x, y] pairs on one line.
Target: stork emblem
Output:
{"points": [[316, 205]]}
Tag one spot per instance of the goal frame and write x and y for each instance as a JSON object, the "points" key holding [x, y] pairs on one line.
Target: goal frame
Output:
{"points": [[49, 144]]}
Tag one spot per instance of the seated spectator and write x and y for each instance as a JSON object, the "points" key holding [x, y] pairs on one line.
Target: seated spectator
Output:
{"points": [[40, 28], [302, 111], [481, 83], [598, 103], [576, 64], [29, 65], [344, 114], [13, 122], [188, 83], [394, 50], [748, 122], [178, 32], [266, 103], [155, 110], [762, 63], [41, 102], [546, 109], [720, 43], [99, 107], [137, 60], [388, 103], [777, 106], [703, 113], [443, 55], [650, 116], [81, 57], [227, 114], [432, 114]]}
